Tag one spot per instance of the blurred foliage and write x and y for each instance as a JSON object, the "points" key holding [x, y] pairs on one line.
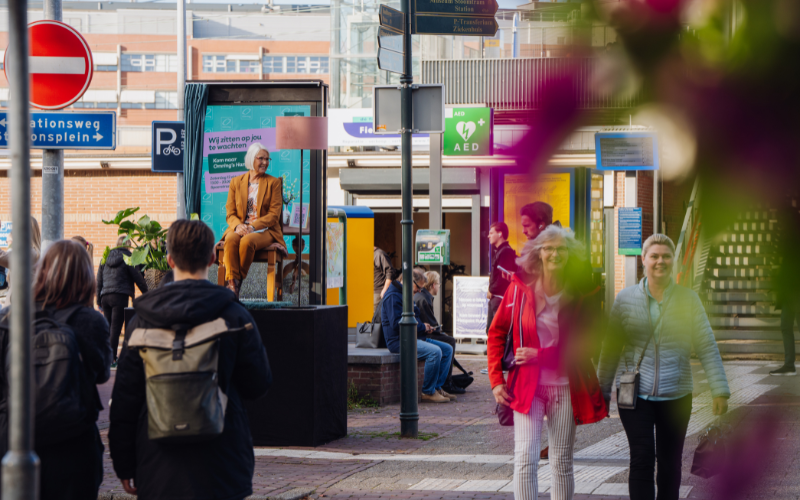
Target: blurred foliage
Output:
{"points": [[147, 237]]}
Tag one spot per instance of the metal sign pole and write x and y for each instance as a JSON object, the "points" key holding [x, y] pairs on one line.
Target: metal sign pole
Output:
{"points": [[181, 201], [20, 464], [409, 411], [52, 170]]}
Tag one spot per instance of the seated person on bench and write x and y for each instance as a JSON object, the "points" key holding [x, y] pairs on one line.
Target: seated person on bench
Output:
{"points": [[253, 214]]}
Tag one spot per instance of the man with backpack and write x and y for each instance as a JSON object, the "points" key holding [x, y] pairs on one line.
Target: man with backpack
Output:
{"points": [[178, 427]]}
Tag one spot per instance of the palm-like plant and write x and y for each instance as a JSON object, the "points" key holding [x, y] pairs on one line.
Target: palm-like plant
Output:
{"points": [[147, 237]]}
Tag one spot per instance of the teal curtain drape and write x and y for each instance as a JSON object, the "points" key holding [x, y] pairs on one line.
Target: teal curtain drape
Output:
{"points": [[195, 101]]}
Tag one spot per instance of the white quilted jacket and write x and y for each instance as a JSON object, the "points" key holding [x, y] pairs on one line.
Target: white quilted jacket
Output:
{"points": [[665, 370]]}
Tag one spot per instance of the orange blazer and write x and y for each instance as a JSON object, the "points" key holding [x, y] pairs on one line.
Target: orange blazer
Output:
{"points": [[269, 205]]}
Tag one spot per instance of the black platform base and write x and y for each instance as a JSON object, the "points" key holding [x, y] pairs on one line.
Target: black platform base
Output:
{"points": [[307, 351]]}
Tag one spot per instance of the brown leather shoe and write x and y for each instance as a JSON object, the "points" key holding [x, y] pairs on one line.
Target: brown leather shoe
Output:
{"points": [[446, 395], [434, 398], [234, 286]]}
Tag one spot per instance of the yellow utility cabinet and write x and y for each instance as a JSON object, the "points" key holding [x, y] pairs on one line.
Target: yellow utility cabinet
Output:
{"points": [[359, 269]]}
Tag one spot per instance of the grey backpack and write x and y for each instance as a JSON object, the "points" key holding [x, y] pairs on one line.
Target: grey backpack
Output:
{"points": [[184, 400]]}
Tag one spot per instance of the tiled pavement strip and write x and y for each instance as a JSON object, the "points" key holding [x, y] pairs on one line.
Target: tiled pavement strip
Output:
{"points": [[370, 463]]}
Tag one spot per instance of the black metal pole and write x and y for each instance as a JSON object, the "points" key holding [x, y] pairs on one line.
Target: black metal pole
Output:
{"points": [[20, 471], [299, 257], [409, 411]]}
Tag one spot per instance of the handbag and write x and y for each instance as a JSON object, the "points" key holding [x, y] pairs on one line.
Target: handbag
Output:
{"points": [[370, 335], [505, 415], [463, 380], [628, 390], [710, 455]]}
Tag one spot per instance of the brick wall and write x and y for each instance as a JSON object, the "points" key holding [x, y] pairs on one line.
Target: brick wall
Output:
{"points": [[381, 382], [93, 195]]}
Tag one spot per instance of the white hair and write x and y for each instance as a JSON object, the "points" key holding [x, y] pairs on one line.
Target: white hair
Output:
{"points": [[530, 256], [252, 151]]}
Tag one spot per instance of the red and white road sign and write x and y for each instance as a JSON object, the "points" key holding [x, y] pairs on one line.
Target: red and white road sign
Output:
{"points": [[60, 64]]}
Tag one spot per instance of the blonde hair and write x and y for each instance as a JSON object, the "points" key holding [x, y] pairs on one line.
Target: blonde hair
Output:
{"points": [[36, 237], [657, 239], [530, 258], [252, 151], [431, 278]]}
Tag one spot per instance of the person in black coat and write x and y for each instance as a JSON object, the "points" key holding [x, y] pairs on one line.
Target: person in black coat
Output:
{"points": [[115, 281], [219, 468], [71, 465]]}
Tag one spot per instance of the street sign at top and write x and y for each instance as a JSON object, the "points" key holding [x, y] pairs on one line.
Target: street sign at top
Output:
{"points": [[455, 25], [392, 18], [465, 7], [60, 64]]}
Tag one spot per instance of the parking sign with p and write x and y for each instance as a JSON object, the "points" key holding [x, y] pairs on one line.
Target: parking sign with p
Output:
{"points": [[167, 147]]}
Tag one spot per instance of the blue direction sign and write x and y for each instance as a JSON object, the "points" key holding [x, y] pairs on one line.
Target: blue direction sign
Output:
{"points": [[392, 18], [455, 25], [630, 231], [66, 130], [390, 39], [166, 152]]}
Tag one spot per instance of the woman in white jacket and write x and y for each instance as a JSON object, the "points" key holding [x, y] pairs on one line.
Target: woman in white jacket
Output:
{"points": [[659, 322]]}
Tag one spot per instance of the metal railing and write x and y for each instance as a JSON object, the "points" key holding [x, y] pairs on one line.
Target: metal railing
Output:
{"points": [[512, 84]]}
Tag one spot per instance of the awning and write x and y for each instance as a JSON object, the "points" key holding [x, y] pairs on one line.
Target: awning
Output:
{"points": [[388, 179]]}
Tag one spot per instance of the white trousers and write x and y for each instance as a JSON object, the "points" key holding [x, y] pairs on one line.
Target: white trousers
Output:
{"points": [[553, 401]]}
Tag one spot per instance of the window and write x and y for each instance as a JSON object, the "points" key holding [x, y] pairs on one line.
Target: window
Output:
{"points": [[161, 63], [228, 64], [99, 105], [103, 67], [163, 100], [314, 65]]}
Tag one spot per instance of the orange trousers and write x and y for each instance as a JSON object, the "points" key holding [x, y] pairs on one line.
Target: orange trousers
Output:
{"points": [[239, 252]]}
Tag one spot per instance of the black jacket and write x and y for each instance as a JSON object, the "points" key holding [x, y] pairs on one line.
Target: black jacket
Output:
{"points": [[424, 301], [91, 332], [115, 276], [505, 257], [221, 468]]}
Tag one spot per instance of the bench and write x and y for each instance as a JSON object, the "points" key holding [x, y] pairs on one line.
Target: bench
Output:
{"points": [[376, 374], [273, 256]]}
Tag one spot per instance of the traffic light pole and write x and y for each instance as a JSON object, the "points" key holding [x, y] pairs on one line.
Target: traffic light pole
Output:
{"points": [[52, 170], [20, 470], [409, 411]]}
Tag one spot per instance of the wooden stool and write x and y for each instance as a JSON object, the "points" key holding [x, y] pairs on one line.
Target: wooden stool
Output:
{"points": [[273, 255]]}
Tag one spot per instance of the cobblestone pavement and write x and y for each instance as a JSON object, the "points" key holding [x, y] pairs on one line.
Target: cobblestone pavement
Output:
{"points": [[466, 454]]}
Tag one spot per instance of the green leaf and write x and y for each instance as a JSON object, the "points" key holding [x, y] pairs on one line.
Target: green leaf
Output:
{"points": [[138, 256], [121, 215], [194, 217], [126, 226], [144, 221], [105, 256]]}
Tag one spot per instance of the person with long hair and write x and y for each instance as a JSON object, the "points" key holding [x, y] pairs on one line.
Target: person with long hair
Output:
{"points": [[36, 250], [63, 289], [552, 330], [654, 327]]}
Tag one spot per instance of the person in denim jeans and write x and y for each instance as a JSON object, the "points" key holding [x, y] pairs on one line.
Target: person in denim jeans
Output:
{"points": [[437, 355]]}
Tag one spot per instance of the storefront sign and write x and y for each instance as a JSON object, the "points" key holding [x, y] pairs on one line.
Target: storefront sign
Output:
{"points": [[229, 131], [470, 306], [468, 132], [433, 247], [334, 248], [5, 232], [630, 231], [353, 127]]}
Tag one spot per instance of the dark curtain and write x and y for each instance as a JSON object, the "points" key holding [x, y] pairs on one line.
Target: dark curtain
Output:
{"points": [[195, 100]]}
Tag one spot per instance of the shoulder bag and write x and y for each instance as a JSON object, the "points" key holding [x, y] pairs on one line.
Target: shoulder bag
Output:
{"points": [[370, 335], [628, 390]]}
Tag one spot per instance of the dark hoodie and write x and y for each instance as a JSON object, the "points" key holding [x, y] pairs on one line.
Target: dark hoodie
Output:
{"points": [[115, 276], [221, 468], [392, 312]]}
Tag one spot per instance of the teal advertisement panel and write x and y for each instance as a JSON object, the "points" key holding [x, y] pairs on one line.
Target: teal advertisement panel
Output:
{"points": [[229, 131]]}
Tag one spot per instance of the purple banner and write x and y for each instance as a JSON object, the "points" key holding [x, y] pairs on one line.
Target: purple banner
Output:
{"points": [[237, 140]]}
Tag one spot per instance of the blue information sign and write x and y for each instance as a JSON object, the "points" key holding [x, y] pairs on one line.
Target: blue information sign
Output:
{"points": [[167, 147], [630, 231], [626, 150], [67, 130]]}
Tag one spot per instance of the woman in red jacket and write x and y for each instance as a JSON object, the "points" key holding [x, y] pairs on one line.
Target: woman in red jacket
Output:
{"points": [[550, 312]]}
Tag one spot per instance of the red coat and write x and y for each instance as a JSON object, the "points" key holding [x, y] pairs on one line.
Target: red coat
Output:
{"points": [[572, 354]]}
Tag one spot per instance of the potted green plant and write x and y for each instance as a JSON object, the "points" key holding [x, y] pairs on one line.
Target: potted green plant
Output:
{"points": [[289, 195], [148, 240]]}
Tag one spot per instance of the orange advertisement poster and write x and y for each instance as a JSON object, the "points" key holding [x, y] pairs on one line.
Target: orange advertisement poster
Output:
{"points": [[519, 190]]}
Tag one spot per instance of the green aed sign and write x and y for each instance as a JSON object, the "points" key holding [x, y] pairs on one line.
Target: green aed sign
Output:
{"points": [[433, 247], [468, 132]]}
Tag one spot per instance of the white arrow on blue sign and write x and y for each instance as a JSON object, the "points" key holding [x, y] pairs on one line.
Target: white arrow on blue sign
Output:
{"points": [[67, 130]]}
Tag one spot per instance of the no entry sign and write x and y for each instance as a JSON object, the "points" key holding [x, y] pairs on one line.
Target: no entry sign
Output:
{"points": [[60, 64]]}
